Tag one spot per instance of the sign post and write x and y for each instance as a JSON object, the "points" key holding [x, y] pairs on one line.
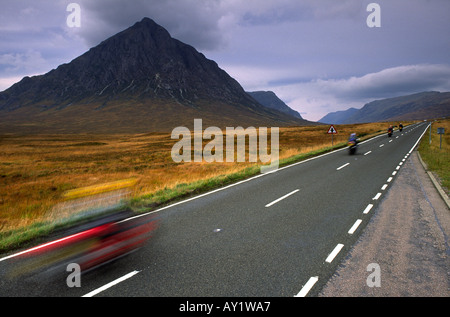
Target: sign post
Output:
{"points": [[332, 130], [440, 131]]}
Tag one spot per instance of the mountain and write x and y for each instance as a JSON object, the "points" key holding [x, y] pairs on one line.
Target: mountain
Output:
{"points": [[420, 106], [338, 117], [270, 99], [139, 80]]}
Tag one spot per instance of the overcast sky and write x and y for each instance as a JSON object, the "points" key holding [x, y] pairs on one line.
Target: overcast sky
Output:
{"points": [[318, 56]]}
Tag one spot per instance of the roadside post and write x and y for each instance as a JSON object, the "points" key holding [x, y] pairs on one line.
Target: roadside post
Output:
{"points": [[332, 130], [440, 131]]}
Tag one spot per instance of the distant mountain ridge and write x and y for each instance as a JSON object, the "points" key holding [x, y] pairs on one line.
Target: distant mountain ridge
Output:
{"points": [[419, 106], [138, 80], [339, 116], [270, 99]]}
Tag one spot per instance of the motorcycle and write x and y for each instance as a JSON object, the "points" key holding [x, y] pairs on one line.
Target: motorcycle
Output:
{"points": [[352, 146], [390, 131], [89, 245]]}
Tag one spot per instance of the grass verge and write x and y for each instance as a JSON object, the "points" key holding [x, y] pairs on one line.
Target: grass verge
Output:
{"points": [[437, 157]]}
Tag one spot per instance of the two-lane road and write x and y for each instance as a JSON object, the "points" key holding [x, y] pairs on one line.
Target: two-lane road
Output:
{"points": [[277, 234]]}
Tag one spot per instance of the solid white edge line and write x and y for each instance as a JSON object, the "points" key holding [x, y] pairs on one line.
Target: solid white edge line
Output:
{"points": [[281, 198], [355, 226], [366, 211], [39, 247], [342, 166], [116, 281], [333, 253], [418, 140], [307, 287]]}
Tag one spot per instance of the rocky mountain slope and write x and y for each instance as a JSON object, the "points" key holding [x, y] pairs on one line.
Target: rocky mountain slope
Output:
{"points": [[139, 80], [270, 99]]}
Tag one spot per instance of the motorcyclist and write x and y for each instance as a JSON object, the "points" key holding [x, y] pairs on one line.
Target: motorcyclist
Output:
{"points": [[353, 138], [390, 130], [352, 142]]}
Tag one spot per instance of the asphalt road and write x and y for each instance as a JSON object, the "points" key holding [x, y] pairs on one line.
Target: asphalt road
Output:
{"points": [[275, 235]]}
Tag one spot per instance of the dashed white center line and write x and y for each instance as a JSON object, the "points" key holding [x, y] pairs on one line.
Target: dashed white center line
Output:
{"points": [[389, 179], [281, 198], [342, 166], [381, 145], [384, 187], [376, 196], [333, 253], [368, 153]]}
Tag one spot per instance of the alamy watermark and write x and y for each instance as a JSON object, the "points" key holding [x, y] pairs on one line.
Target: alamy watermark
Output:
{"points": [[374, 18], [74, 18], [213, 151], [74, 278], [374, 278]]}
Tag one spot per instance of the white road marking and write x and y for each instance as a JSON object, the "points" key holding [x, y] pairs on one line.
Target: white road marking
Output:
{"points": [[389, 179], [355, 226], [335, 252], [40, 246], [281, 198], [305, 289], [342, 166], [381, 145], [368, 153], [376, 196], [384, 187], [366, 211], [104, 287]]}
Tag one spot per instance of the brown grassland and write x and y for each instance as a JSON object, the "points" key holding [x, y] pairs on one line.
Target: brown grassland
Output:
{"points": [[36, 171]]}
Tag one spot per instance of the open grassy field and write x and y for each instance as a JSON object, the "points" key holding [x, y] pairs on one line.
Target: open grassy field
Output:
{"points": [[437, 157], [37, 171]]}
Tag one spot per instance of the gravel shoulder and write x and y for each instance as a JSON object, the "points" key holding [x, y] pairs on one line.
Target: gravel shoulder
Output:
{"points": [[407, 237]]}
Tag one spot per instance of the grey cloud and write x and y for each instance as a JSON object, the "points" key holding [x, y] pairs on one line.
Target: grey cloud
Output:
{"points": [[194, 22], [390, 82]]}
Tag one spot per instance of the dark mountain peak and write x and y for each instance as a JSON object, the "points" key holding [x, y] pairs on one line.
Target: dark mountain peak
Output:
{"points": [[143, 66]]}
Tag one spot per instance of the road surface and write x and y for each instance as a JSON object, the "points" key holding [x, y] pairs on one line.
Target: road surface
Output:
{"points": [[281, 234]]}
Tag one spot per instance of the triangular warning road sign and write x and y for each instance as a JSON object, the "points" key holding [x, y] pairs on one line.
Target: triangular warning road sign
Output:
{"points": [[332, 130]]}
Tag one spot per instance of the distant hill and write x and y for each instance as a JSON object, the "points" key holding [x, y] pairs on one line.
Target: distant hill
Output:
{"points": [[270, 99], [139, 80], [338, 117], [420, 106]]}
